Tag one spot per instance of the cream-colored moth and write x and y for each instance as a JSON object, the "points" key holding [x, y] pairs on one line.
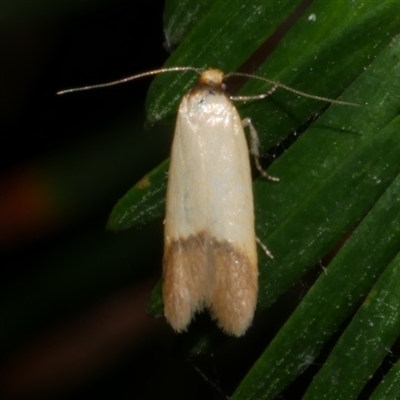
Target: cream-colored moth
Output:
{"points": [[210, 255]]}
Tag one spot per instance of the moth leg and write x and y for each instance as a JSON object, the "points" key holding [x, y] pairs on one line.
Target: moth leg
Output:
{"points": [[264, 247], [254, 148]]}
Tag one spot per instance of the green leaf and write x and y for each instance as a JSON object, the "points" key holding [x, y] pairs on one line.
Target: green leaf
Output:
{"points": [[389, 387], [180, 16], [276, 119], [215, 42], [143, 203], [341, 171], [330, 301], [372, 330], [321, 197], [322, 56], [331, 176]]}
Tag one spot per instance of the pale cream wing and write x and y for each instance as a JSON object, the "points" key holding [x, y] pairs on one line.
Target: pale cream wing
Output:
{"points": [[210, 254]]}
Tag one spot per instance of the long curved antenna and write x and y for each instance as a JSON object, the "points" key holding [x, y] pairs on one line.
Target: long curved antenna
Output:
{"points": [[283, 87], [129, 78]]}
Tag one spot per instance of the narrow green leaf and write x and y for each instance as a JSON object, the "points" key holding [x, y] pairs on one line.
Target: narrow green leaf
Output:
{"points": [[224, 38], [330, 177], [156, 305], [332, 44], [143, 203], [389, 387], [368, 337], [322, 201], [329, 302], [305, 59], [321, 56], [349, 163], [180, 16]]}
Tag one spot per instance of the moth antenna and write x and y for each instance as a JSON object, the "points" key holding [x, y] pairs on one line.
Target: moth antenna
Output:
{"points": [[129, 78], [288, 88]]}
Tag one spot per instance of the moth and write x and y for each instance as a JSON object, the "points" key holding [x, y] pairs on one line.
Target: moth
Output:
{"points": [[210, 244]]}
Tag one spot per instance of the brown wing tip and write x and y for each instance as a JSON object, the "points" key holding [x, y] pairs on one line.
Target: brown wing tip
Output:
{"points": [[222, 279]]}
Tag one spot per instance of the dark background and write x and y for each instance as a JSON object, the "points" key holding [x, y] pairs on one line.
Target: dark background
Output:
{"points": [[73, 295]]}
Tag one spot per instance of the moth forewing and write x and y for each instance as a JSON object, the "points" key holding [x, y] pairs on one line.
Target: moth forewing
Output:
{"points": [[210, 257]]}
